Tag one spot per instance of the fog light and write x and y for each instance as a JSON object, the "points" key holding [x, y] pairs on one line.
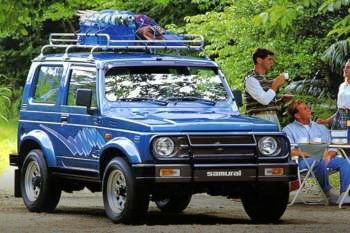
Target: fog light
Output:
{"points": [[169, 172], [277, 171]]}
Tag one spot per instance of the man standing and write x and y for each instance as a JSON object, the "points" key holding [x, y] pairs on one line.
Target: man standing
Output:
{"points": [[260, 92], [303, 129]]}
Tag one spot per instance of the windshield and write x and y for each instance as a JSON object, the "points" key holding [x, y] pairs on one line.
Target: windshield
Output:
{"points": [[164, 84]]}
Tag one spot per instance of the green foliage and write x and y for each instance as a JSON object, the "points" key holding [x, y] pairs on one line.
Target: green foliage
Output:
{"points": [[333, 5], [9, 103], [5, 94], [341, 28]]}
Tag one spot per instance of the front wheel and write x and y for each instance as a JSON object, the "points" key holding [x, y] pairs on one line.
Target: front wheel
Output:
{"points": [[124, 199], [266, 202], [39, 189]]}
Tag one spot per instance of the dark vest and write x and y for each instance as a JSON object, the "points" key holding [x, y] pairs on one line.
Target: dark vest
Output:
{"points": [[253, 106]]}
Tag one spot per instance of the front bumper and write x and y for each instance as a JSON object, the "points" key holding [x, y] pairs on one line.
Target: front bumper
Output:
{"points": [[262, 172]]}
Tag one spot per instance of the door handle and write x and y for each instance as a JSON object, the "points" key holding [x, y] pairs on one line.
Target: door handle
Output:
{"points": [[96, 121], [64, 118]]}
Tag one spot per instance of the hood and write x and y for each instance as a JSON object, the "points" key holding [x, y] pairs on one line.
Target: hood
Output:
{"points": [[186, 121]]}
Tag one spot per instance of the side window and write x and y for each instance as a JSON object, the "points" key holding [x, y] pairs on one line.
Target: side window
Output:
{"points": [[47, 84], [81, 79]]}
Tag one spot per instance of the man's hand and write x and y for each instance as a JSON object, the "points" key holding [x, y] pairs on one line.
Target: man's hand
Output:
{"points": [[322, 121], [328, 155], [277, 82], [327, 122], [297, 153], [306, 154]]}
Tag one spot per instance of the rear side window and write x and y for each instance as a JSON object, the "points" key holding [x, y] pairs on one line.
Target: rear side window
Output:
{"points": [[81, 79], [47, 84]]}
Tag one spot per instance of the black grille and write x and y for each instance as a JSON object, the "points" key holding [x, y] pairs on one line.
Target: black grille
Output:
{"points": [[221, 139], [223, 147]]}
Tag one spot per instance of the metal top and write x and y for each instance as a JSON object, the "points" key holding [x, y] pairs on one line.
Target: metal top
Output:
{"points": [[69, 41]]}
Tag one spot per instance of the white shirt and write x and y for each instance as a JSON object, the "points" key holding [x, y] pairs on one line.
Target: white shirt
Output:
{"points": [[344, 96], [307, 127], [255, 90]]}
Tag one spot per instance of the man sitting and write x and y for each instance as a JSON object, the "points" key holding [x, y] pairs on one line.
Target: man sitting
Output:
{"points": [[302, 128]]}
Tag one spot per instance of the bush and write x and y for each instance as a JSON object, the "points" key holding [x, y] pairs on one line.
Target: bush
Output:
{"points": [[9, 103]]}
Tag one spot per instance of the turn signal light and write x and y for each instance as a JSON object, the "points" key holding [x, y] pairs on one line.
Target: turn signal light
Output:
{"points": [[276, 171], [169, 172]]}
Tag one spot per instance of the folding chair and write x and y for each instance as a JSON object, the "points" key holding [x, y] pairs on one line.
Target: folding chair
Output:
{"points": [[344, 197], [308, 183]]}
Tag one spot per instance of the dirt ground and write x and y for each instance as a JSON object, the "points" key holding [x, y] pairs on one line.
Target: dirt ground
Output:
{"points": [[83, 212]]}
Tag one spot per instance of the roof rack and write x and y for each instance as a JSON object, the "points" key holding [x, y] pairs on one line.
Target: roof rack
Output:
{"points": [[71, 41]]}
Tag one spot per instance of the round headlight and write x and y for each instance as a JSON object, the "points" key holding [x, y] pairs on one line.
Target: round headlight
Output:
{"points": [[163, 146], [268, 146]]}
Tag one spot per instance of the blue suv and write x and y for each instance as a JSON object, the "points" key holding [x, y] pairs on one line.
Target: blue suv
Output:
{"points": [[143, 126]]}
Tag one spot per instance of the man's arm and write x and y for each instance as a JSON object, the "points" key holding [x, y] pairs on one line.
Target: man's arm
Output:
{"points": [[328, 122], [255, 90], [295, 152]]}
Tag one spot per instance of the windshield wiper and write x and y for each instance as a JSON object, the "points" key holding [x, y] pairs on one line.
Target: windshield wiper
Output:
{"points": [[191, 98], [145, 99]]}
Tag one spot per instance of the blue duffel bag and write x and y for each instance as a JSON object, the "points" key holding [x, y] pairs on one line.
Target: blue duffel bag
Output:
{"points": [[119, 25]]}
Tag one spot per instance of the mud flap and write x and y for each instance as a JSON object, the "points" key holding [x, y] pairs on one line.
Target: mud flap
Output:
{"points": [[17, 188]]}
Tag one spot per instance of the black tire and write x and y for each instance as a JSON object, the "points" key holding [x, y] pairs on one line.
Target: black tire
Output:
{"points": [[39, 189], [174, 204], [129, 201], [266, 203]]}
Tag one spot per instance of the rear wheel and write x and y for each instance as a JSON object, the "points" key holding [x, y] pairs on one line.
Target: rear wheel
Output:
{"points": [[124, 199], [39, 189], [267, 202], [175, 203]]}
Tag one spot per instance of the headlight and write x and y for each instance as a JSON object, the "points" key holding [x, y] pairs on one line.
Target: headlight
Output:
{"points": [[268, 146], [175, 147], [163, 146]]}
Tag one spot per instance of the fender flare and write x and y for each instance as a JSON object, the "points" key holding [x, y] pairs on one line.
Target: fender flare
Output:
{"points": [[43, 140], [126, 146]]}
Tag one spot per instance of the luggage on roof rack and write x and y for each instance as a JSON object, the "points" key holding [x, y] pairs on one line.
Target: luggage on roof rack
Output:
{"points": [[122, 26]]}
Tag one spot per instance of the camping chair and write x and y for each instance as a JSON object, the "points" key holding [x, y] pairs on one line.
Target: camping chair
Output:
{"points": [[309, 187], [344, 197]]}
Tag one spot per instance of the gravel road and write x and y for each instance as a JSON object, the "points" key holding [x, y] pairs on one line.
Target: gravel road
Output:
{"points": [[83, 212]]}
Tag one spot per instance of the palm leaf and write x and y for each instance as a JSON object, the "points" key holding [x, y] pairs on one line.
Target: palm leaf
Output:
{"points": [[336, 56]]}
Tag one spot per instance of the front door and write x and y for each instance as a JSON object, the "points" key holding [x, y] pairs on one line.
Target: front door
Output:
{"points": [[79, 134]]}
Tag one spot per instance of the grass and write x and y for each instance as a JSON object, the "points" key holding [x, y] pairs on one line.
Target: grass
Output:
{"points": [[8, 141], [334, 180]]}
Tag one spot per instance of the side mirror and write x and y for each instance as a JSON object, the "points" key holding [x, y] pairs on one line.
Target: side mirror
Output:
{"points": [[84, 97], [237, 94]]}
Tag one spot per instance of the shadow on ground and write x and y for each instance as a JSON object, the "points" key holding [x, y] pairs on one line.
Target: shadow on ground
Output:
{"points": [[155, 218]]}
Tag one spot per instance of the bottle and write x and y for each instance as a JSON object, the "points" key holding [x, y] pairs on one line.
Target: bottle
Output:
{"points": [[348, 131]]}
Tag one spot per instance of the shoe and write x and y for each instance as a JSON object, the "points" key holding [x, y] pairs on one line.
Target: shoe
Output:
{"points": [[332, 196]]}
